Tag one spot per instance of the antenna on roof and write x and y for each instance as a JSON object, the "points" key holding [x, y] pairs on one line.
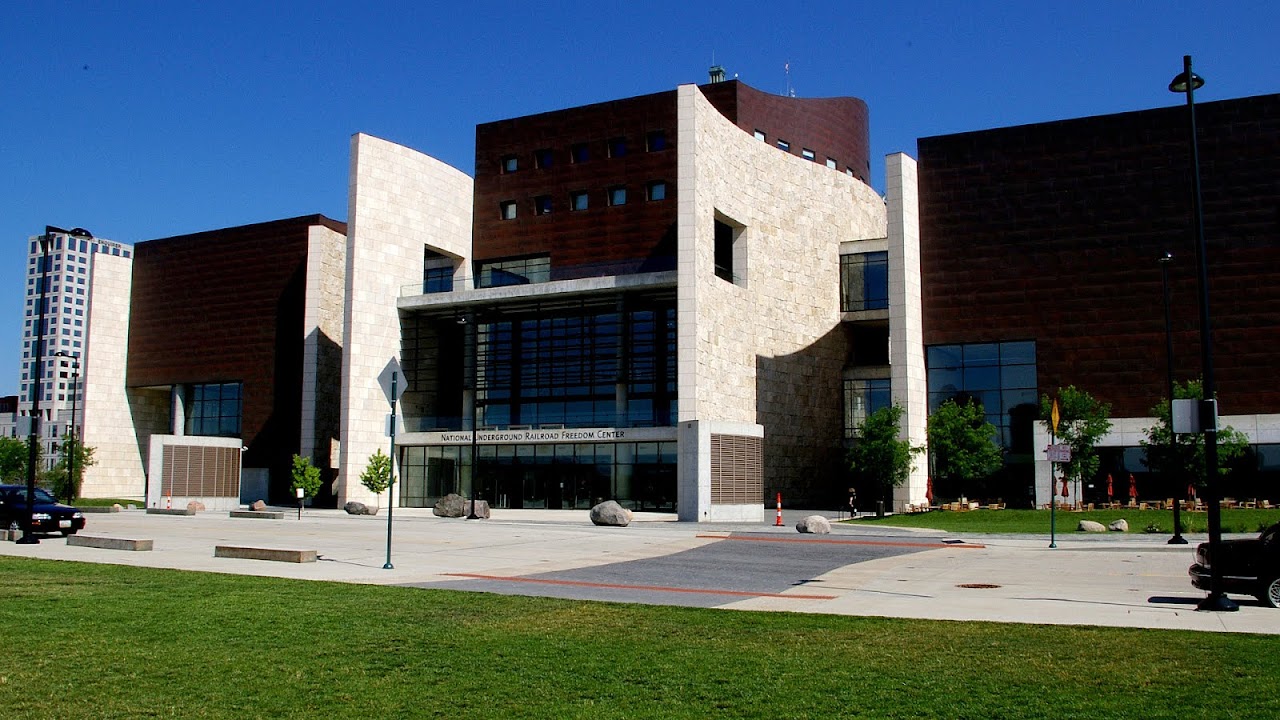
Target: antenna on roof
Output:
{"points": [[791, 92]]}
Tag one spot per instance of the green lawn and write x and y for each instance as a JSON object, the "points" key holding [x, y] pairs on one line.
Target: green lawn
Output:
{"points": [[102, 641], [1037, 521]]}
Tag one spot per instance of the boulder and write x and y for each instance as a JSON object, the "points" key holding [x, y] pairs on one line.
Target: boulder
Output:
{"points": [[359, 508], [195, 506], [258, 505], [815, 524], [610, 513], [116, 507], [1120, 525], [454, 505], [1090, 526]]}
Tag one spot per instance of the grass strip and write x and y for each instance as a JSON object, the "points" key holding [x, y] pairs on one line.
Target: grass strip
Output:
{"points": [[103, 641], [1037, 521]]}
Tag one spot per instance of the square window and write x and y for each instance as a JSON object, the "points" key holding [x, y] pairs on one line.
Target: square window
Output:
{"points": [[510, 164], [807, 154], [542, 205], [508, 209], [784, 145], [618, 195], [579, 153], [761, 136], [656, 140], [831, 163], [578, 200], [618, 147], [656, 190], [543, 158]]}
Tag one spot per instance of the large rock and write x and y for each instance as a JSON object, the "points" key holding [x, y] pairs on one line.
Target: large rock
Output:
{"points": [[815, 524], [359, 508], [1090, 526], [195, 506], [610, 513], [1120, 525], [258, 505], [454, 505]]}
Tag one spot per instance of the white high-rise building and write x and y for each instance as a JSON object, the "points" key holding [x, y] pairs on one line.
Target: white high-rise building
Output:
{"points": [[72, 262]]}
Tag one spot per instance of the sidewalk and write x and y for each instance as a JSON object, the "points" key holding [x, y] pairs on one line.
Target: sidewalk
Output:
{"points": [[1114, 580]]}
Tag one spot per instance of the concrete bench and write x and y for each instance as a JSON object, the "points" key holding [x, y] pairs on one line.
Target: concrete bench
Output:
{"points": [[97, 508], [170, 511], [107, 543], [262, 514], [273, 554]]}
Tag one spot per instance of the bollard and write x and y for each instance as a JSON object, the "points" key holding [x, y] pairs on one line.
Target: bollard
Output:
{"points": [[779, 522], [879, 508]]}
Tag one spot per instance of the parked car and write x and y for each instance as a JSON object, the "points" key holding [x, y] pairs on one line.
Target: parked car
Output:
{"points": [[1249, 567], [47, 514]]}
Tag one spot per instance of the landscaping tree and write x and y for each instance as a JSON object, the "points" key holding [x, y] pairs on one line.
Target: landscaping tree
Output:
{"points": [[878, 459], [305, 476], [963, 442], [377, 474], [13, 460], [1183, 461], [1082, 421], [61, 485]]}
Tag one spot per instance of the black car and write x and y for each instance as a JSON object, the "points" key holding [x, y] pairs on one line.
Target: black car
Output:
{"points": [[1249, 567], [47, 515]]}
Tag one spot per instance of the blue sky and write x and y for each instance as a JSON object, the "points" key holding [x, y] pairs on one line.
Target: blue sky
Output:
{"points": [[141, 120]]}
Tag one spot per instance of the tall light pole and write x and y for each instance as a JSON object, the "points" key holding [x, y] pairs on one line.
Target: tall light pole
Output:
{"points": [[75, 438], [1186, 82], [1164, 261], [33, 439]]}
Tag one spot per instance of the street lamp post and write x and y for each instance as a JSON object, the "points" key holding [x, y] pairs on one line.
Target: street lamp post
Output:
{"points": [[472, 339], [75, 438], [1164, 261], [33, 453], [1186, 83]]}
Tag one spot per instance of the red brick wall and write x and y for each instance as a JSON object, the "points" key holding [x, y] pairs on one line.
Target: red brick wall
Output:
{"points": [[1051, 232]]}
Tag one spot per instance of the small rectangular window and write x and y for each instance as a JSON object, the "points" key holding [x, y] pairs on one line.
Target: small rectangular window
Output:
{"points": [[784, 145], [542, 205], [543, 158], [578, 200], [656, 190], [656, 140], [510, 164], [831, 163], [579, 153], [761, 136], [808, 154], [617, 147], [508, 209], [617, 195]]}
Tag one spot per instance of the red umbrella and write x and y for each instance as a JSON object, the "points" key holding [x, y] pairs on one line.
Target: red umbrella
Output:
{"points": [[1133, 486], [928, 491], [1110, 490], [1064, 487], [1191, 491]]}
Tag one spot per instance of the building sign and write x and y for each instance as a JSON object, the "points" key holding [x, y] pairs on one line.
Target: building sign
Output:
{"points": [[545, 435], [1058, 453]]}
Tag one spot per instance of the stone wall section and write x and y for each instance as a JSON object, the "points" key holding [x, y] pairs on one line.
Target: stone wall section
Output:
{"points": [[767, 350], [324, 304], [400, 202]]}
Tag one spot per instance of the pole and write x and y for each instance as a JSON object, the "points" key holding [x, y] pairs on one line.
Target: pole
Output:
{"points": [[473, 375], [1217, 599], [1053, 504], [391, 472], [1177, 538], [72, 486], [33, 452]]}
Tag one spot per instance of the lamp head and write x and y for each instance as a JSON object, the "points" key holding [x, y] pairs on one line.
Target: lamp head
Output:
{"points": [[1166, 257]]}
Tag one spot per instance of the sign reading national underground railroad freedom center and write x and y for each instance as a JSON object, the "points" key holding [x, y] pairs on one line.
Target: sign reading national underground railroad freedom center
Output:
{"points": [[545, 435]]}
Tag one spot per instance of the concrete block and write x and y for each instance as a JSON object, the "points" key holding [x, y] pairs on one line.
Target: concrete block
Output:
{"points": [[107, 543], [261, 514], [272, 554], [99, 508], [170, 511]]}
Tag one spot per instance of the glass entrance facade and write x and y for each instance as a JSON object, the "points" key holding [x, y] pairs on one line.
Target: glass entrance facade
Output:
{"points": [[639, 475]]}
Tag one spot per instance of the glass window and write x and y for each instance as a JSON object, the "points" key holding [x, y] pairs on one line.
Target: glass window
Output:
{"points": [[510, 164], [522, 271], [861, 398], [543, 158], [214, 409], [578, 200], [1001, 376], [507, 208], [617, 195], [542, 205], [831, 163], [579, 153], [761, 136], [808, 154], [657, 190], [617, 147], [864, 281], [655, 140], [784, 145]]}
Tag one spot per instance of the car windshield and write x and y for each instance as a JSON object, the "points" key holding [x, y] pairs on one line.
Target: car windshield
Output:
{"points": [[1271, 534], [42, 496]]}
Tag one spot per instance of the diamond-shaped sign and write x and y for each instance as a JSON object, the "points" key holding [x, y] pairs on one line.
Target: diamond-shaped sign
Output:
{"points": [[392, 381]]}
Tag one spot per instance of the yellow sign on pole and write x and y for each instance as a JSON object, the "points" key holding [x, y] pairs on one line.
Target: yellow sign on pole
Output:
{"points": [[1053, 416]]}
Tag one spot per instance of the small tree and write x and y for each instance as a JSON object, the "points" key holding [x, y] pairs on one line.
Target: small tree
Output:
{"points": [[82, 455], [1184, 458], [1082, 421], [377, 474], [305, 476], [13, 459], [963, 442], [878, 459]]}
